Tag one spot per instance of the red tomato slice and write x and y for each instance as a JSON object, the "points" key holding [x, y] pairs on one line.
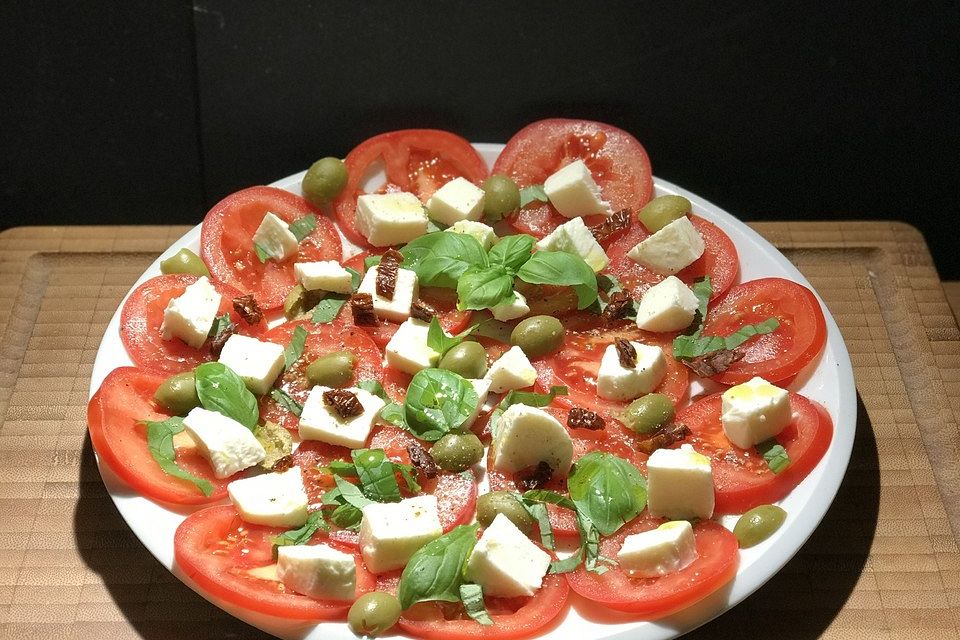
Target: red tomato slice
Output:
{"points": [[226, 242], [113, 417], [217, 549], [741, 476], [419, 161], [656, 597], [142, 315], [617, 161], [775, 356]]}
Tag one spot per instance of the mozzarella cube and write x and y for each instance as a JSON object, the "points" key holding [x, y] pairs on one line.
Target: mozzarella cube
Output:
{"points": [[228, 445], [274, 238], [679, 484], [190, 315], [482, 387], [318, 571], [667, 306], [319, 421], [505, 563], [511, 371], [526, 436], [573, 192], [673, 248], [754, 411], [484, 233], [517, 307], [325, 275], [407, 350], [272, 499], [616, 382], [576, 238], [669, 548], [386, 219], [392, 532], [457, 200], [257, 363], [396, 309]]}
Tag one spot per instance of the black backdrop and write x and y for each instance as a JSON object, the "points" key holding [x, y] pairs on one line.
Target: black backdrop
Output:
{"points": [[145, 111]]}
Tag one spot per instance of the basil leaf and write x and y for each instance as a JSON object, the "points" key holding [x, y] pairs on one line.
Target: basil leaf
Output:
{"points": [[608, 490], [687, 347], [375, 388], [437, 403], [512, 252], [376, 473], [302, 227], [609, 284], [371, 261], [529, 398], [348, 501], [341, 468], [776, 456], [439, 341], [221, 324], [351, 493], [284, 399], [328, 308], [703, 289], [295, 349], [567, 564], [221, 390], [314, 523], [409, 476], [549, 497], [483, 287], [561, 268], [262, 254], [160, 443], [347, 516], [435, 572], [538, 512], [472, 597], [393, 413], [355, 278], [531, 193], [439, 258], [590, 545]]}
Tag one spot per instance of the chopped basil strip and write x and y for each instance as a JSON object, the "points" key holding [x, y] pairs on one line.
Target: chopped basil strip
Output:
{"points": [[589, 551], [437, 403], [435, 571], [564, 269], [286, 401], [328, 308], [160, 443], [348, 502], [302, 227], [472, 597], [393, 413], [373, 387], [608, 490], [295, 349], [222, 390], [262, 254], [775, 455], [220, 325], [314, 523], [538, 512], [355, 278], [531, 193]]}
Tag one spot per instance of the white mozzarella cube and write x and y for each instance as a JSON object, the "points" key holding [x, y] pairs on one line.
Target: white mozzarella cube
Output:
{"points": [[616, 382], [576, 238], [526, 436], [397, 308], [272, 499], [319, 421], [484, 233], [274, 238], [505, 563], [511, 371], [482, 387], [516, 307], [390, 533], [457, 200], [325, 275], [257, 363], [669, 548], [673, 248], [190, 315], [407, 350], [754, 411], [667, 306], [228, 445], [680, 484], [573, 192], [318, 571], [386, 219]]}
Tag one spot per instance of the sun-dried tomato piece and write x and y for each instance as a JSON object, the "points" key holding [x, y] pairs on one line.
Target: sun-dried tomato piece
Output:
{"points": [[248, 309], [387, 272], [619, 221], [710, 364], [627, 353], [422, 311], [217, 342], [422, 460], [618, 306], [584, 419], [537, 478], [361, 304], [665, 437], [344, 402], [283, 464]]}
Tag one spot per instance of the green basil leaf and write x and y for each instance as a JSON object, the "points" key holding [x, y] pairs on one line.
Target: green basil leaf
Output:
{"points": [[221, 324], [314, 523], [439, 341], [483, 287], [538, 511], [350, 493], [393, 413], [302, 227], [532, 193], [512, 252], [377, 475], [341, 468], [776, 456], [564, 269], [609, 284], [371, 261], [472, 597], [295, 349], [347, 516], [262, 254], [549, 497], [375, 388], [590, 544], [608, 490], [437, 403], [286, 401], [328, 308], [221, 390], [355, 278], [435, 572], [703, 289], [568, 564], [409, 475], [439, 258], [160, 443], [529, 398], [687, 347]]}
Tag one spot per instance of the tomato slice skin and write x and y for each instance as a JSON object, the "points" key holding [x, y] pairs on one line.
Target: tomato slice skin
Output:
{"points": [[113, 414], [650, 598], [215, 548], [419, 161], [226, 242], [741, 477]]}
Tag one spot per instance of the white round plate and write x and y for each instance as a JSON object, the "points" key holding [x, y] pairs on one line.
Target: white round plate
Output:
{"points": [[829, 380]]}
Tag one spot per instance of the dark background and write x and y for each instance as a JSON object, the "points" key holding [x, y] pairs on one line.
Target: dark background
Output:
{"points": [[145, 111]]}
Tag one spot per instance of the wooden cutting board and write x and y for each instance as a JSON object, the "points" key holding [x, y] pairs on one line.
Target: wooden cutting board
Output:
{"points": [[883, 564]]}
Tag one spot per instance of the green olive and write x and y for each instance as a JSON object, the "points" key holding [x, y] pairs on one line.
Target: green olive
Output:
{"points": [[324, 180], [648, 413], [505, 502], [661, 211], [500, 196], [299, 301], [184, 261], [178, 393], [332, 370], [538, 335], [457, 451], [373, 613], [758, 524], [468, 359]]}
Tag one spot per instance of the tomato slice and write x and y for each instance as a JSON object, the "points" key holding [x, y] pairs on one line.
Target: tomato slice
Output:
{"points": [[217, 550], [419, 161], [741, 476], [114, 413], [775, 356], [142, 315], [617, 161], [226, 242], [656, 597]]}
